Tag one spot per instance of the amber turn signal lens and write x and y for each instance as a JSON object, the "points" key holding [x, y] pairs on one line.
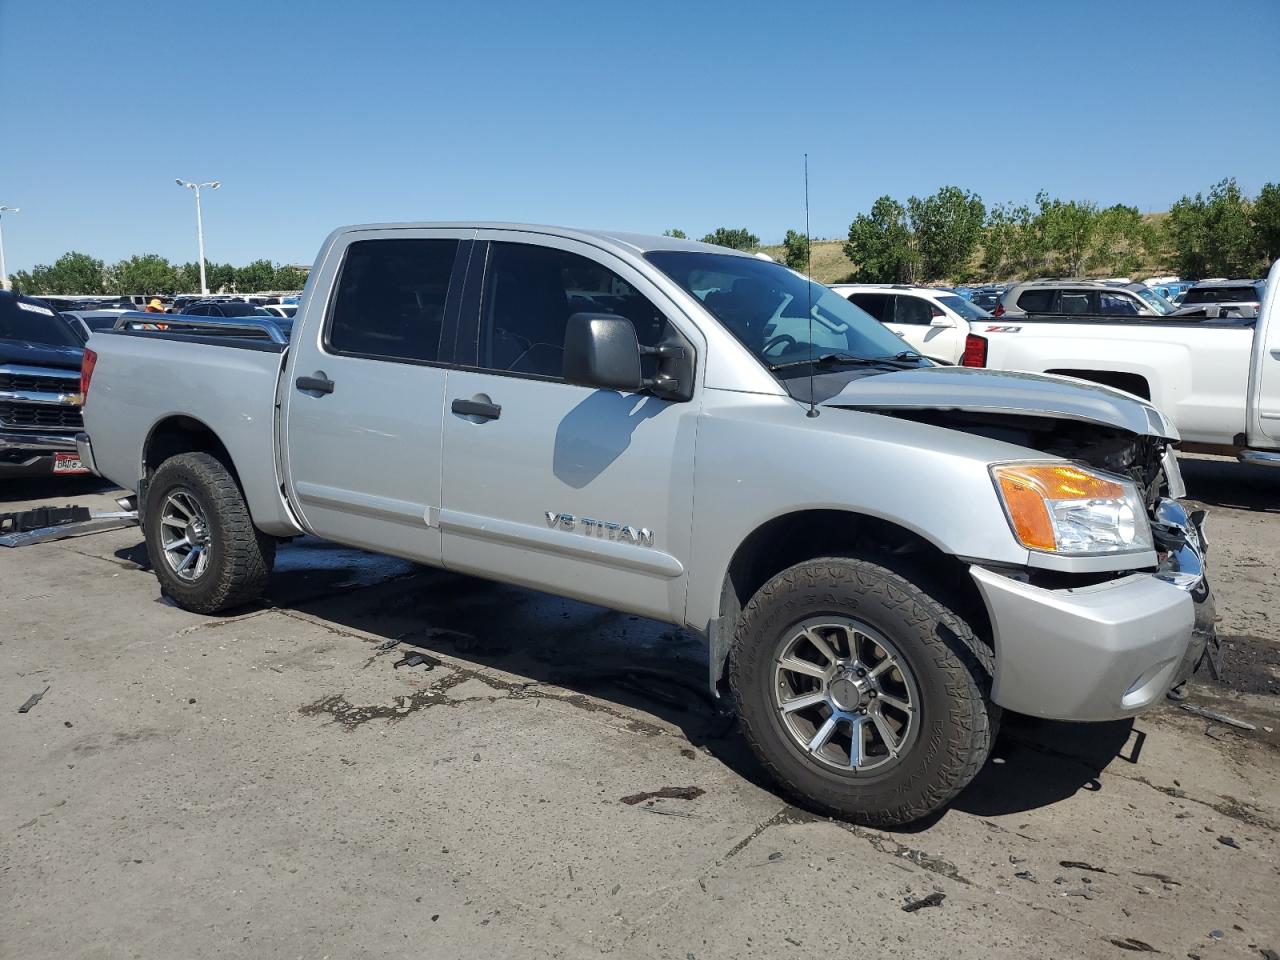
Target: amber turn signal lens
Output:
{"points": [[1027, 488]]}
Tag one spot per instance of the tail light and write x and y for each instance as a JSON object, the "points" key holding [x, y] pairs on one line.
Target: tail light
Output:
{"points": [[975, 351], [87, 363], [998, 311]]}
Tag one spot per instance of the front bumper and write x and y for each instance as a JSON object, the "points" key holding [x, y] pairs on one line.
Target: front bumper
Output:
{"points": [[1105, 651], [31, 454]]}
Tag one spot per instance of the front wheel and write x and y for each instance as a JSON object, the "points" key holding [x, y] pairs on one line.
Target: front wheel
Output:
{"points": [[862, 694], [204, 548]]}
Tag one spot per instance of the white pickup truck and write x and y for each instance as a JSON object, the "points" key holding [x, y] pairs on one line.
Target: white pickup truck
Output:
{"points": [[1217, 379], [881, 553]]}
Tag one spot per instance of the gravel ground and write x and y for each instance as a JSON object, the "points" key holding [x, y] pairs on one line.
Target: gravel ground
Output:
{"points": [[274, 785]]}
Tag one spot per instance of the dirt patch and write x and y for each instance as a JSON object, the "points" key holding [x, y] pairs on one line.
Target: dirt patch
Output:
{"points": [[1250, 664]]}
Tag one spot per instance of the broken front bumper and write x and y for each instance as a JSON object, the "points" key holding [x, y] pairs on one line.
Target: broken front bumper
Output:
{"points": [[1108, 650]]}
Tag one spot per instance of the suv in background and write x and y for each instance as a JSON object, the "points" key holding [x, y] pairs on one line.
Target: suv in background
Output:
{"points": [[1224, 292], [934, 322], [1083, 297]]}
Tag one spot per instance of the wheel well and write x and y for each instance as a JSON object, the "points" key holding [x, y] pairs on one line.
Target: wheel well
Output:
{"points": [[796, 537], [176, 435], [1129, 382]]}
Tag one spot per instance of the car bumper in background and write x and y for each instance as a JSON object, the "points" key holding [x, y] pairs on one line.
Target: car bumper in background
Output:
{"points": [[1106, 651], [31, 454]]}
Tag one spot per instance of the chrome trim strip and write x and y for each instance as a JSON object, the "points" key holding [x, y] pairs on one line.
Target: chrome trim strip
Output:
{"points": [[220, 325], [36, 441], [53, 373], [1264, 457], [364, 504], [47, 399], [564, 543]]}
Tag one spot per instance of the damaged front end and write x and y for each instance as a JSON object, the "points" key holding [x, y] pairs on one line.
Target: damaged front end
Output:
{"points": [[1082, 639]]}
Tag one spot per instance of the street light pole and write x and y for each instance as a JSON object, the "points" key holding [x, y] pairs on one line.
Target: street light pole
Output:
{"points": [[4, 277], [197, 187]]}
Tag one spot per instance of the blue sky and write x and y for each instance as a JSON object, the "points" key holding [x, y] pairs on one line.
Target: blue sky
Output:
{"points": [[640, 116]]}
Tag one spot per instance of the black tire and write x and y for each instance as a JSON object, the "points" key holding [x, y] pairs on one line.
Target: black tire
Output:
{"points": [[952, 674], [240, 556]]}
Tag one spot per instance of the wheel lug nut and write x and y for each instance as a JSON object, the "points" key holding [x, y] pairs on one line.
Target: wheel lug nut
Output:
{"points": [[871, 694], [861, 672]]}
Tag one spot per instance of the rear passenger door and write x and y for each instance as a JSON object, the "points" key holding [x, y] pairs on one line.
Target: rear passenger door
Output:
{"points": [[587, 493], [910, 320], [364, 393]]}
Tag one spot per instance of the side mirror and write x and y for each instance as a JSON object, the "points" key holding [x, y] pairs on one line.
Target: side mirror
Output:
{"points": [[601, 350]]}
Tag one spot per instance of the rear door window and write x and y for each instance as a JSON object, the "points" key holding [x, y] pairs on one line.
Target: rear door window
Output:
{"points": [[1116, 304], [390, 299], [1076, 302], [1037, 301], [874, 304], [912, 310]]}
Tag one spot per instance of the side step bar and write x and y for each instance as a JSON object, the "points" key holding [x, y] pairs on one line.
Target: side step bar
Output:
{"points": [[1270, 459]]}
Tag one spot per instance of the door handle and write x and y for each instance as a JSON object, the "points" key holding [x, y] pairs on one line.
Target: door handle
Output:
{"points": [[477, 408], [318, 383]]}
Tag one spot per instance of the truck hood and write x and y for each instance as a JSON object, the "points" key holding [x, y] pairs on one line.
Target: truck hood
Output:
{"points": [[40, 354], [1004, 392]]}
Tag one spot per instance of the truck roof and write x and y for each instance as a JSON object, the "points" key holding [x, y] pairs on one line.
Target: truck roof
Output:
{"points": [[635, 243]]}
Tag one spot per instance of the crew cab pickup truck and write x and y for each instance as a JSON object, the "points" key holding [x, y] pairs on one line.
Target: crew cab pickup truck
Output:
{"points": [[881, 553], [40, 358], [1217, 377]]}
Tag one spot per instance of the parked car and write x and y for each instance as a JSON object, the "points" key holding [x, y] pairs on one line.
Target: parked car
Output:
{"points": [[1234, 293], [934, 322], [285, 311], [87, 321], [1216, 376], [986, 298], [881, 553], [40, 359], [224, 308], [1087, 297]]}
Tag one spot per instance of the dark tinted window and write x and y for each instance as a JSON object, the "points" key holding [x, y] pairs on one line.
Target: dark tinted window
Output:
{"points": [[391, 297], [30, 321], [873, 303], [1246, 293], [1076, 301], [912, 310], [237, 310], [529, 294], [1116, 304], [1036, 301]]}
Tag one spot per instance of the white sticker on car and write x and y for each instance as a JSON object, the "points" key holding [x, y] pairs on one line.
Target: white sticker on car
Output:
{"points": [[34, 308]]}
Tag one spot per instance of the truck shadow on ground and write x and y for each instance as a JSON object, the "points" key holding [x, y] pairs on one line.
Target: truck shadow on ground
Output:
{"points": [[1227, 483], [630, 666]]}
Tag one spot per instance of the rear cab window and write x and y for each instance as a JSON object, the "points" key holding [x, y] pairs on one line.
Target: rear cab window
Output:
{"points": [[1037, 301]]}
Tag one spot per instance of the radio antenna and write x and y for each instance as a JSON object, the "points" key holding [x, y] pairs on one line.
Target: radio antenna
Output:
{"points": [[808, 285]]}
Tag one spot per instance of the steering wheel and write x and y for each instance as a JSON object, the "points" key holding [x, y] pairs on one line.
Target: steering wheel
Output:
{"points": [[783, 339]]}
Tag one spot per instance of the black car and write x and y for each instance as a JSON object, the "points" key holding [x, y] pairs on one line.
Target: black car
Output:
{"points": [[40, 356]]}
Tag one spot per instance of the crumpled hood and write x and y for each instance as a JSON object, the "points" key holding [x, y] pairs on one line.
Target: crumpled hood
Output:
{"points": [[1004, 391], [40, 354]]}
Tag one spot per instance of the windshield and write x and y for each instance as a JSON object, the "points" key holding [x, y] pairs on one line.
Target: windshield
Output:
{"points": [[967, 310], [30, 321], [764, 305], [1157, 303]]}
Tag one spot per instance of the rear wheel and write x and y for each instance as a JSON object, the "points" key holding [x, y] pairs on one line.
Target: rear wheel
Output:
{"points": [[204, 548], [861, 693]]}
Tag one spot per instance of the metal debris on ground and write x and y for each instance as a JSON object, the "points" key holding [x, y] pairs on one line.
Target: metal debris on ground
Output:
{"points": [[932, 900], [1214, 715], [1229, 842], [1081, 865], [388, 644], [1216, 934], [1025, 875], [33, 700], [1162, 877], [414, 660], [666, 793], [1132, 943], [1084, 892], [44, 524]]}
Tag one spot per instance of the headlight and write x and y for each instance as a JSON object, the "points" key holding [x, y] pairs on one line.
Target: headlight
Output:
{"points": [[1065, 508]]}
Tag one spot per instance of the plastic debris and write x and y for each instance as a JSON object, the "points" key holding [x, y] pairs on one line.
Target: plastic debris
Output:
{"points": [[1132, 943], [666, 793], [416, 659], [1229, 842], [32, 701], [1216, 934], [1081, 865], [932, 900]]}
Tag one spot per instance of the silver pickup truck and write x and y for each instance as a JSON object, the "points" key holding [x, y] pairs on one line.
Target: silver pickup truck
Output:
{"points": [[881, 553]]}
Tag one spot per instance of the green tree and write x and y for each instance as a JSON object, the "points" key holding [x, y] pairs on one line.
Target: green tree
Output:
{"points": [[1009, 243], [734, 239], [1265, 217], [675, 232], [289, 278], [1066, 228], [881, 245], [256, 276], [22, 281], [796, 250], [188, 277], [1214, 235], [71, 273], [221, 277], [1123, 242], [147, 273], [946, 227]]}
